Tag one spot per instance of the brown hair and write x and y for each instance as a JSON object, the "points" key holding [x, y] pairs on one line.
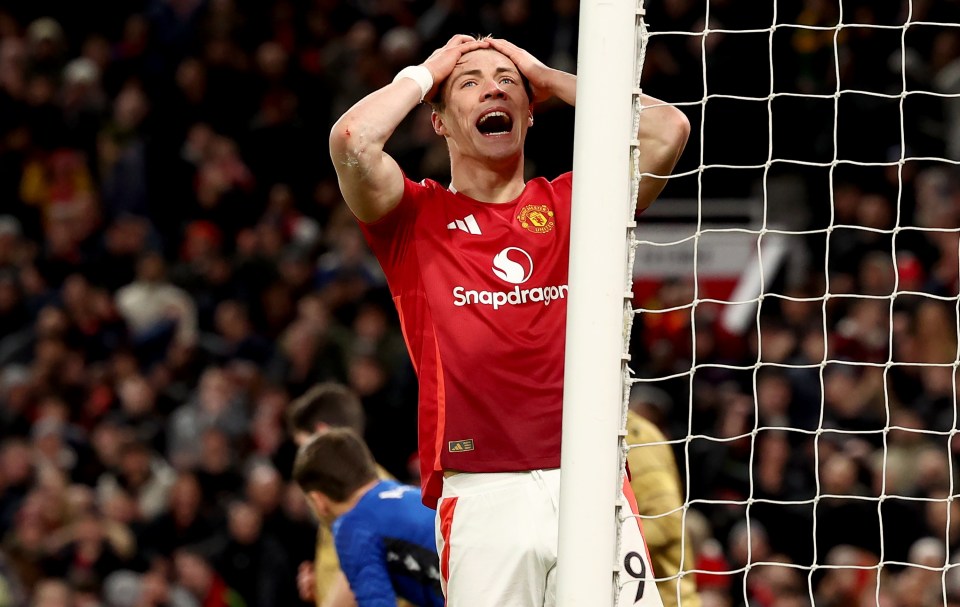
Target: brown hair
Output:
{"points": [[327, 403], [335, 463]]}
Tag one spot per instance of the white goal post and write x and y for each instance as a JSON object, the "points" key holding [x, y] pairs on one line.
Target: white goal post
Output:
{"points": [[592, 460]]}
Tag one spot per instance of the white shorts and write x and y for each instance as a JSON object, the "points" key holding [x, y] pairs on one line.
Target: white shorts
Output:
{"points": [[497, 541]]}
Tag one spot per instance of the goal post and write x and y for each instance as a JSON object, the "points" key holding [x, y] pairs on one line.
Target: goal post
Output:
{"points": [[592, 460]]}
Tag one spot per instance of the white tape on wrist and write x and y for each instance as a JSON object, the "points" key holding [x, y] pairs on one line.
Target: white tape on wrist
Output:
{"points": [[418, 74]]}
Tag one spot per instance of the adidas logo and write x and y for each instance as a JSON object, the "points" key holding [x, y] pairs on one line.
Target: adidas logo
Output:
{"points": [[459, 446], [468, 224]]}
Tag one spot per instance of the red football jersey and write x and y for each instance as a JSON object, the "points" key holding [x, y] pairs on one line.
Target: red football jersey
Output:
{"points": [[481, 292]]}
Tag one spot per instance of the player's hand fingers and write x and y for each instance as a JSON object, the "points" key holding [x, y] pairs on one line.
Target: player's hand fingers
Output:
{"points": [[306, 592], [506, 47], [525, 62], [460, 39], [443, 60], [473, 45], [452, 52], [535, 71], [306, 581]]}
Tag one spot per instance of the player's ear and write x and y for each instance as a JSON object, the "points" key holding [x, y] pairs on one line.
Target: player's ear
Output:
{"points": [[530, 116], [438, 126], [317, 502]]}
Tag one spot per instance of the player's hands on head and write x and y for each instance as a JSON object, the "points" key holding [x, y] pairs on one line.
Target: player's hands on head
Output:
{"points": [[534, 70], [442, 61]]}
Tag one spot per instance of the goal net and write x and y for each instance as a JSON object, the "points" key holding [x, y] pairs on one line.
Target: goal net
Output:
{"points": [[795, 296]]}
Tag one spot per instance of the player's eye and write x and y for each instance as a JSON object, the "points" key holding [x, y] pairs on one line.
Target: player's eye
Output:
{"points": [[506, 80], [467, 83]]}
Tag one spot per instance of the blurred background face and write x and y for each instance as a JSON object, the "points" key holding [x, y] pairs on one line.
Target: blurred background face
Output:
{"points": [[244, 523], [151, 268], [89, 529], [193, 572], [120, 507], [155, 587], [215, 391], [215, 454], [16, 463], [135, 465], [264, 489], [839, 475], [52, 593], [108, 440], [185, 497], [136, 396]]}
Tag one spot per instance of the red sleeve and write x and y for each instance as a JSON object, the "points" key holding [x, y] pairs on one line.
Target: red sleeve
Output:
{"points": [[391, 236]]}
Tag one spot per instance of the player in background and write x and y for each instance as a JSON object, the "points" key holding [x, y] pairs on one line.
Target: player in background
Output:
{"points": [[383, 534], [655, 481], [323, 407], [478, 273]]}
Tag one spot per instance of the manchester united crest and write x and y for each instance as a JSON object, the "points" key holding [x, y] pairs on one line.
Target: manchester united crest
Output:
{"points": [[536, 218]]}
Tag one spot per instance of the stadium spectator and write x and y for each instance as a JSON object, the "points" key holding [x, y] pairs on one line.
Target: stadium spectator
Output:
{"points": [[156, 311], [183, 522], [656, 485], [142, 474], [194, 571], [252, 561]]}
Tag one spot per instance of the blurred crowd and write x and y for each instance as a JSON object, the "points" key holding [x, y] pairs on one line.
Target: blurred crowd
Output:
{"points": [[176, 265]]}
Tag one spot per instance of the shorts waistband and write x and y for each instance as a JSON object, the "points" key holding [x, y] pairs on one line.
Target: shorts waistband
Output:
{"points": [[465, 483]]}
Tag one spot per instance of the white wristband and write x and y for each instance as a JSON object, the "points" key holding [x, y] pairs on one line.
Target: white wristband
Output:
{"points": [[418, 74]]}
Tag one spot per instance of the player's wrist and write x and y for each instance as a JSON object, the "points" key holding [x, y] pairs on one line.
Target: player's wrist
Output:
{"points": [[419, 74]]}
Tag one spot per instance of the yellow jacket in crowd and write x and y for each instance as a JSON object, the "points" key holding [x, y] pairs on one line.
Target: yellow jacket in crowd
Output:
{"points": [[656, 484]]}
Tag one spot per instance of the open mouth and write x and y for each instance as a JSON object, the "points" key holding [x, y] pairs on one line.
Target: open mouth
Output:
{"points": [[495, 123]]}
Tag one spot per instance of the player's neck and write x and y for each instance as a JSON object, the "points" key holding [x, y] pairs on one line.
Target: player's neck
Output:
{"points": [[486, 181], [341, 508]]}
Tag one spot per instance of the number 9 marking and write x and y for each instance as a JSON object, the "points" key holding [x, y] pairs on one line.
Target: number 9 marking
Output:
{"points": [[640, 575]]}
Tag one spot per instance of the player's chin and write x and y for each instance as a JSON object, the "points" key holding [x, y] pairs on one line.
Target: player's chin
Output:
{"points": [[507, 141], [501, 154], [507, 138]]}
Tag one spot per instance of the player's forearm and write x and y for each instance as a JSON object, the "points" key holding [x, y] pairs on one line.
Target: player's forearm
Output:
{"points": [[563, 86], [662, 135], [370, 180], [358, 137]]}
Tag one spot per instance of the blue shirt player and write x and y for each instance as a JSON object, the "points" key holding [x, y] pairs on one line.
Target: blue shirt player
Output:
{"points": [[383, 533]]}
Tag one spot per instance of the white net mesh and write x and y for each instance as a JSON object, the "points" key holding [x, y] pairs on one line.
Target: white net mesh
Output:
{"points": [[795, 334]]}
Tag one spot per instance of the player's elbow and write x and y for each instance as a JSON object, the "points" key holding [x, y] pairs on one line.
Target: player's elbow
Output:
{"points": [[664, 142], [351, 140], [343, 136], [662, 139], [675, 130]]}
